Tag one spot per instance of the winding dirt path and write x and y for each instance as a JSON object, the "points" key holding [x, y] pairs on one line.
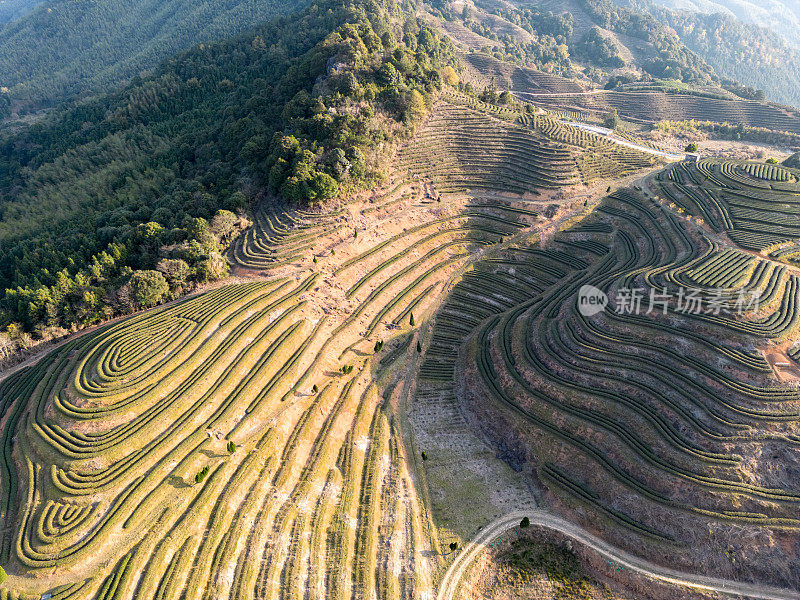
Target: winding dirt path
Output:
{"points": [[541, 518]]}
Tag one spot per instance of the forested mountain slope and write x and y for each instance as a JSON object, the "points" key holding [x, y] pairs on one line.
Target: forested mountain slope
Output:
{"points": [[72, 46], [579, 38], [753, 55], [98, 188], [640, 39], [782, 16]]}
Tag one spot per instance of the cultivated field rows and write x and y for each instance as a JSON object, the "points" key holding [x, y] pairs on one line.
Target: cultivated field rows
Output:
{"points": [[649, 107], [669, 432], [299, 435], [468, 144], [251, 442]]}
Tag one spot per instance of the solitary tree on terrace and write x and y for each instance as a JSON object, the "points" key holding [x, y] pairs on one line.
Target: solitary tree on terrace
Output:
{"points": [[612, 120], [201, 475]]}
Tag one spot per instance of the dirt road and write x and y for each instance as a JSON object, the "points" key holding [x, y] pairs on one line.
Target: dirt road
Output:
{"points": [[699, 582]]}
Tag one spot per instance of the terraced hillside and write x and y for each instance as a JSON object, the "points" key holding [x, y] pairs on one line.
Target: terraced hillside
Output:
{"points": [[670, 431], [250, 442], [755, 204], [302, 433], [511, 76], [468, 144], [464, 148], [650, 107]]}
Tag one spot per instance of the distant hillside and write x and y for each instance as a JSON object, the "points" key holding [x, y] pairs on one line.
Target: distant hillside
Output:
{"points": [[13, 9], [752, 55], [72, 46], [781, 16], [589, 39]]}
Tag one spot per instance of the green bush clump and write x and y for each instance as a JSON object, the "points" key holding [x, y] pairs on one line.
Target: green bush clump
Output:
{"points": [[201, 475]]}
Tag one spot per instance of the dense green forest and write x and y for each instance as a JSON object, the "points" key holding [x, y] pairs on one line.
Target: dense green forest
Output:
{"points": [[673, 61], [744, 52], [781, 16], [599, 49], [66, 47], [547, 48], [554, 46], [107, 199]]}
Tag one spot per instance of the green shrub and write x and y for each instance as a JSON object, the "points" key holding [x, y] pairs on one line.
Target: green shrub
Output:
{"points": [[612, 120], [231, 446], [201, 475]]}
